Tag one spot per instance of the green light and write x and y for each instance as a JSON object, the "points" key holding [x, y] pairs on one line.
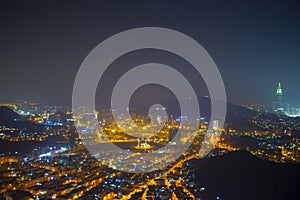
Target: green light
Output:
{"points": [[279, 90]]}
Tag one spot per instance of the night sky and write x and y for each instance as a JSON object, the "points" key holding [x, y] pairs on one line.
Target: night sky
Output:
{"points": [[254, 44]]}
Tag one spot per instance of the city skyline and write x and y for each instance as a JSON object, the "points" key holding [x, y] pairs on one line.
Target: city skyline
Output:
{"points": [[268, 105], [53, 162]]}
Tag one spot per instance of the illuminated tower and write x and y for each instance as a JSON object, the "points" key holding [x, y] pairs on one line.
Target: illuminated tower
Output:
{"points": [[279, 106], [279, 92]]}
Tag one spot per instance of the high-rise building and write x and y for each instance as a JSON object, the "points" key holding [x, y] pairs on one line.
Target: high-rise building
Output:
{"points": [[279, 92], [279, 107]]}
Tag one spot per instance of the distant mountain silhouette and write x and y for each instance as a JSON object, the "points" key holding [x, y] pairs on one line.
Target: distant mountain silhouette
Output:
{"points": [[9, 118], [236, 116], [241, 176], [7, 115]]}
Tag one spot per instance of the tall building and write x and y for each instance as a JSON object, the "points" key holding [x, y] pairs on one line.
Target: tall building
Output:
{"points": [[279, 92], [280, 106]]}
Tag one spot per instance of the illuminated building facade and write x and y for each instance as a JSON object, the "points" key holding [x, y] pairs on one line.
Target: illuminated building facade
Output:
{"points": [[279, 106]]}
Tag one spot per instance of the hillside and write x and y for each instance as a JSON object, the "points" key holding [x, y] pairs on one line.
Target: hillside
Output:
{"points": [[240, 175]]}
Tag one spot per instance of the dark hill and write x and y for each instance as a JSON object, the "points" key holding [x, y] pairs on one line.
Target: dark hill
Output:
{"points": [[7, 115], [9, 118], [242, 176]]}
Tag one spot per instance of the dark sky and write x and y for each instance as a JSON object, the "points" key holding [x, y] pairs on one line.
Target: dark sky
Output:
{"points": [[255, 44]]}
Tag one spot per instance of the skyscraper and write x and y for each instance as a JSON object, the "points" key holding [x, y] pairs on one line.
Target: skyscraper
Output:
{"points": [[279, 106], [279, 92]]}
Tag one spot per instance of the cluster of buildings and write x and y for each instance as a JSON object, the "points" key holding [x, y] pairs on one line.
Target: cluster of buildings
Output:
{"points": [[279, 107], [68, 171], [282, 107], [62, 173]]}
